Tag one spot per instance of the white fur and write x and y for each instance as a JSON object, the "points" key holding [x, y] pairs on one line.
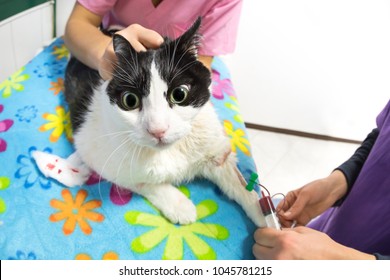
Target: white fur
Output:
{"points": [[119, 146]]}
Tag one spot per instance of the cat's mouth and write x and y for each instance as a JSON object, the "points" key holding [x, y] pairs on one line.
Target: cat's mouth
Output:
{"points": [[163, 143]]}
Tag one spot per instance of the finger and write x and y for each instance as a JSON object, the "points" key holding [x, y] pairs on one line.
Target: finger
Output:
{"points": [[285, 223], [261, 252], [302, 229], [295, 210], [141, 38], [283, 206], [151, 39], [266, 236], [286, 203], [138, 46]]}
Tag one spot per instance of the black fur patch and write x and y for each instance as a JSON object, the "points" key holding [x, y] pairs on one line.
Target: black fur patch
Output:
{"points": [[80, 80]]}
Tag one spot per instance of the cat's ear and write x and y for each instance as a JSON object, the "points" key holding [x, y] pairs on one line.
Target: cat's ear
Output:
{"points": [[122, 47], [190, 40]]}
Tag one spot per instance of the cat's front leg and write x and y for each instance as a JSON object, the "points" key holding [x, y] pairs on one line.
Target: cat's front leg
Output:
{"points": [[227, 177], [172, 203], [70, 172]]}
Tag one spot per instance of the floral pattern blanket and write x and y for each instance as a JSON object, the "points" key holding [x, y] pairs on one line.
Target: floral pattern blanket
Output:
{"points": [[41, 219]]}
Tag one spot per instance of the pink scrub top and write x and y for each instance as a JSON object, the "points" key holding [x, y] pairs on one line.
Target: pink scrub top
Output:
{"points": [[172, 17]]}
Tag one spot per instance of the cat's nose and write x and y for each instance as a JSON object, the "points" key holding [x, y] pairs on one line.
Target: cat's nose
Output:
{"points": [[158, 133]]}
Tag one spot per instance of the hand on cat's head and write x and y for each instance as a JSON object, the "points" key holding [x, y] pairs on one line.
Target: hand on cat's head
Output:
{"points": [[139, 37]]}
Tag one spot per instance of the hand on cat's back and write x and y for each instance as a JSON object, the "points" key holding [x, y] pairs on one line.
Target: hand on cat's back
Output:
{"points": [[139, 37]]}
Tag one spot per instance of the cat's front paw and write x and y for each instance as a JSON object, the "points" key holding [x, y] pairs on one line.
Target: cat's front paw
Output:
{"points": [[170, 201], [64, 171], [180, 211]]}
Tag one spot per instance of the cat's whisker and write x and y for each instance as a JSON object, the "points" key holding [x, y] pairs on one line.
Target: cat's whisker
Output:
{"points": [[114, 134], [182, 69], [178, 62], [173, 54], [126, 141], [131, 65], [107, 160], [122, 75], [132, 161], [120, 167], [191, 49]]}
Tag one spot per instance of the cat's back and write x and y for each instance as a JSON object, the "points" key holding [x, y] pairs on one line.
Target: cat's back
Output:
{"points": [[80, 82]]}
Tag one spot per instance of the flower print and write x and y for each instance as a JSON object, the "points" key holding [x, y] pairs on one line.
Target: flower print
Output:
{"points": [[29, 170], [4, 126], [234, 107], [106, 257], [49, 70], [59, 122], [27, 113], [14, 83], [20, 255], [4, 184], [58, 86], [60, 52], [118, 195], [220, 87], [237, 138], [177, 235], [75, 211]]}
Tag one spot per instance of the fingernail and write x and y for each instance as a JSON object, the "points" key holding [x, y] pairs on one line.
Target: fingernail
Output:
{"points": [[288, 213]]}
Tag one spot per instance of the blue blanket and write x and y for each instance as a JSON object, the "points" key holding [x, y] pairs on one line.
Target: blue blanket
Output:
{"points": [[40, 219]]}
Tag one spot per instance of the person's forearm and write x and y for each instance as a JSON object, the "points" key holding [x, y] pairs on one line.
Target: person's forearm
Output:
{"points": [[86, 42], [206, 60], [351, 254], [83, 38], [338, 184]]}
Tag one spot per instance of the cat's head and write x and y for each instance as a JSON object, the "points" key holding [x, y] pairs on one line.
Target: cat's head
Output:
{"points": [[159, 92]]}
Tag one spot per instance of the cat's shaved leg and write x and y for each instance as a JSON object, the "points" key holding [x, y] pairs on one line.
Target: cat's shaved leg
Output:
{"points": [[221, 152], [172, 203], [227, 177]]}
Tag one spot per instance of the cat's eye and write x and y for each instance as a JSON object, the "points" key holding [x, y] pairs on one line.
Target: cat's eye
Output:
{"points": [[179, 94], [130, 100]]}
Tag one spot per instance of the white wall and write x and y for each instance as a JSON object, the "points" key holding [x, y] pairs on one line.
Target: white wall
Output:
{"points": [[23, 35], [63, 9], [314, 66]]}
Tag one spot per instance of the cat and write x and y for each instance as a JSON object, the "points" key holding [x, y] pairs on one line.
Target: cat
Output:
{"points": [[152, 126]]}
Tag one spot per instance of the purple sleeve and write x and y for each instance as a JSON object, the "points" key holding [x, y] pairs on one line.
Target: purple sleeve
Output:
{"points": [[383, 115], [352, 167]]}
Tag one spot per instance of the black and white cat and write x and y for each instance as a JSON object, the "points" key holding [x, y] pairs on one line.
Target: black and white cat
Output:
{"points": [[152, 126]]}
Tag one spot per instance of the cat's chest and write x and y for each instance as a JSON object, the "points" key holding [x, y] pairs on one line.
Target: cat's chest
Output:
{"points": [[127, 164], [166, 166]]}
